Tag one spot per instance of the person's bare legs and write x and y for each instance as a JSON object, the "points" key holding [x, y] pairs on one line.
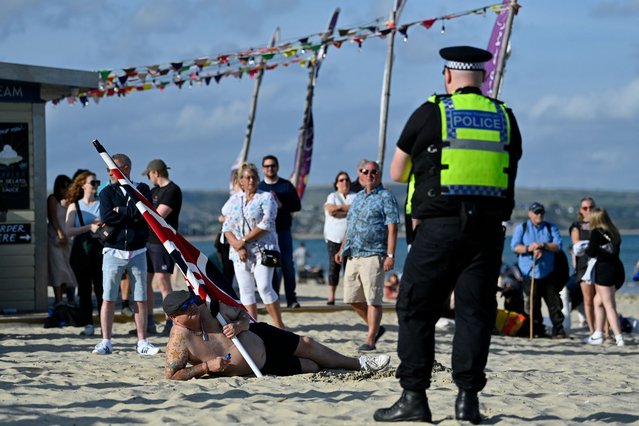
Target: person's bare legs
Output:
{"points": [[57, 295], [323, 356], [374, 315], [362, 310], [331, 292], [107, 312], [275, 312], [252, 310], [607, 297], [588, 291], [139, 315]]}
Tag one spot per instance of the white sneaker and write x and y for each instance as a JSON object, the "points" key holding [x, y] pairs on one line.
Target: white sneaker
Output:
{"points": [[147, 349], [619, 340], [103, 348], [594, 340], [89, 330], [374, 362]]}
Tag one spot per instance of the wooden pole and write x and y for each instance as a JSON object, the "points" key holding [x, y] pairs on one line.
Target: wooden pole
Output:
{"points": [[256, 90], [532, 297], [383, 113], [308, 105], [503, 54]]}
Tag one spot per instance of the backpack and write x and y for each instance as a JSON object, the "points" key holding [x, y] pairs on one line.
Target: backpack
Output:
{"points": [[561, 269]]}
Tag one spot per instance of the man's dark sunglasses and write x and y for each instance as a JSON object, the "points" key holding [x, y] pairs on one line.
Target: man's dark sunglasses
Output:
{"points": [[186, 304], [373, 172]]}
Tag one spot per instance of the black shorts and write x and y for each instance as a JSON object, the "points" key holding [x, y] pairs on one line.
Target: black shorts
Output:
{"points": [[280, 345], [158, 259]]}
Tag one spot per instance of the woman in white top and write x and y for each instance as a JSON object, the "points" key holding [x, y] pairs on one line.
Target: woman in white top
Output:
{"points": [[82, 223], [249, 227], [335, 211]]}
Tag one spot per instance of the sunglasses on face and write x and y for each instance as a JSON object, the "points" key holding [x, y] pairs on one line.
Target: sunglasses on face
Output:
{"points": [[587, 208], [95, 183], [539, 212], [365, 172], [344, 180], [270, 166], [186, 304]]}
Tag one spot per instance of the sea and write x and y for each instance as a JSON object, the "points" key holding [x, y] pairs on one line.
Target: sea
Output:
{"points": [[318, 257]]}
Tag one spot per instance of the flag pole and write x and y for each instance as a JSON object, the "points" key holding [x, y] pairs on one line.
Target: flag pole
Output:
{"points": [[383, 114], [242, 157], [256, 90], [302, 165], [499, 46], [176, 248]]}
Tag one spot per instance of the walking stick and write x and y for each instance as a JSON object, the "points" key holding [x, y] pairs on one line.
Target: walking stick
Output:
{"points": [[532, 296]]}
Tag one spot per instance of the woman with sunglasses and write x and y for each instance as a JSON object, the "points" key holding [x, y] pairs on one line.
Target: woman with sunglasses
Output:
{"points": [[82, 223], [249, 227], [580, 231], [335, 211]]}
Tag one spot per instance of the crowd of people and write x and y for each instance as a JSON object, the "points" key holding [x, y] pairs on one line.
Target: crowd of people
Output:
{"points": [[100, 244], [458, 153]]}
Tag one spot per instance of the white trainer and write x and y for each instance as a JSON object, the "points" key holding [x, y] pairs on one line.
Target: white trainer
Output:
{"points": [[374, 362], [103, 348], [619, 341], [147, 349], [594, 340]]}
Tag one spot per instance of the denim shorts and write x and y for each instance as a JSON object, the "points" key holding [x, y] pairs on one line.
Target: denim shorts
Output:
{"points": [[112, 270]]}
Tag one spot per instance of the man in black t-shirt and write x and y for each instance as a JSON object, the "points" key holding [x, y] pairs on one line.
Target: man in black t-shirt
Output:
{"points": [[167, 200]]}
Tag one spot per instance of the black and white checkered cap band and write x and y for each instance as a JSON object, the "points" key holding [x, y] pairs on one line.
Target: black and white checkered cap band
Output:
{"points": [[468, 66]]}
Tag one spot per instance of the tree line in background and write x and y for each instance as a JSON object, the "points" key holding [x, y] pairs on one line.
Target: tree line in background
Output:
{"points": [[200, 209]]}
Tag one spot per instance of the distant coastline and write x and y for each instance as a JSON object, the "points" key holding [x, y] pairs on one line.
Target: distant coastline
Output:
{"points": [[211, 237]]}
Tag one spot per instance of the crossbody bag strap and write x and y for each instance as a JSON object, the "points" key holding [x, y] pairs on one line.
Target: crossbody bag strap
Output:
{"points": [[79, 213]]}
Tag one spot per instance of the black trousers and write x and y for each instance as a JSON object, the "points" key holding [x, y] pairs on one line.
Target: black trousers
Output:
{"points": [[446, 255], [86, 262], [544, 289]]}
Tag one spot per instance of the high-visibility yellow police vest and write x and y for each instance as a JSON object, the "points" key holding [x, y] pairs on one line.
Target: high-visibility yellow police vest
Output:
{"points": [[475, 134]]}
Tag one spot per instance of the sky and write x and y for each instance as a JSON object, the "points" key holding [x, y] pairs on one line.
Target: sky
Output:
{"points": [[572, 79]]}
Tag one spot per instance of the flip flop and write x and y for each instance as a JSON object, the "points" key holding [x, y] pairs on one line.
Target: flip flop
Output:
{"points": [[365, 347]]}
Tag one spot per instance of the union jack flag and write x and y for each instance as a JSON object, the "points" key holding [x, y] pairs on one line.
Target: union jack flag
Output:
{"points": [[201, 275]]}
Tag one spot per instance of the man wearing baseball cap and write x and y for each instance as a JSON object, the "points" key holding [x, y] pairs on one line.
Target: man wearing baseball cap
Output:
{"points": [[167, 200], [536, 242]]}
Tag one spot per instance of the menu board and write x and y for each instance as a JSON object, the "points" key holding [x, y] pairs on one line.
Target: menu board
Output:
{"points": [[14, 165]]}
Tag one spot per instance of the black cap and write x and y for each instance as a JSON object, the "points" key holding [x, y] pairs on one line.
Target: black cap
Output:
{"points": [[537, 207], [465, 58], [174, 301]]}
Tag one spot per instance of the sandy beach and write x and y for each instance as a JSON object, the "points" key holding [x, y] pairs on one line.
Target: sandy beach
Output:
{"points": [[50, 377]]}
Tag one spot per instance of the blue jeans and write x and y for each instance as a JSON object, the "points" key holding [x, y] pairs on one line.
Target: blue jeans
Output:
{"points": [[285, 241], [112, 270]]}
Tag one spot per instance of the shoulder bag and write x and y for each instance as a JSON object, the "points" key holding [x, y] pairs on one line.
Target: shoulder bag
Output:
{"points": [[269, 258]]}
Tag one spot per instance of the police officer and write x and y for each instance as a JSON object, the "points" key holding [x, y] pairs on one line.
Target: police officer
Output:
{"points": [[460, 150]]}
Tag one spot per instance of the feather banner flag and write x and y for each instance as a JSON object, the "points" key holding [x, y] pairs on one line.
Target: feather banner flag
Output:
{"points": [[206, 281], [498, 45]]}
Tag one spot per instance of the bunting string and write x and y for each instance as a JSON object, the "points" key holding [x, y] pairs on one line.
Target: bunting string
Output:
{"points": [[298, 51]]}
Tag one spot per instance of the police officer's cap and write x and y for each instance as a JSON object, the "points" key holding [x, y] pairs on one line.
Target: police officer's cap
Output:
{"points": [[466, 58]]}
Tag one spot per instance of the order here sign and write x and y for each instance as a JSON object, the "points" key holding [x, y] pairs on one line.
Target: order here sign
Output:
{"points": [[15, 233]]}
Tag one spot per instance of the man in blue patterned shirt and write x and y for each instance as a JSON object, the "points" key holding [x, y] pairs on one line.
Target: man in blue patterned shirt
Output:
{"points": [[370, 248]]}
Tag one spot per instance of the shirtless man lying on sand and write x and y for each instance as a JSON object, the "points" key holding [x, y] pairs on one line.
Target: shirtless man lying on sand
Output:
{"points": [[198, 338]]}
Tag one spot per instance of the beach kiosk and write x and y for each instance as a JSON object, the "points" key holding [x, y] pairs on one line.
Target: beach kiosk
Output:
{"points": [[24, 90]]}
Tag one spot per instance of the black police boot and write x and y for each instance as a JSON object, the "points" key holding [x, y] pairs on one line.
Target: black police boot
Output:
{"points": [[467, 407], [411, 406]]}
